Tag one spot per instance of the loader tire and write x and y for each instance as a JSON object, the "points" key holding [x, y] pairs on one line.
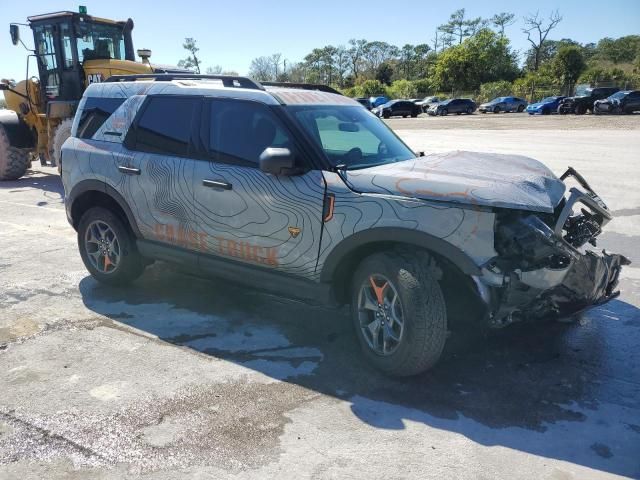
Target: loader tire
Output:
{"points": [[60, 135], [13, 161]]}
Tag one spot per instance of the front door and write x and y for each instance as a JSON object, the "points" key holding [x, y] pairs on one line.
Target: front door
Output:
{"points": [[245, 214]]}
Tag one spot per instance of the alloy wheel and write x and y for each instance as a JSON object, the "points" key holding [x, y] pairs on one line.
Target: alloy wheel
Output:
{"points": [[380, 314], [102, 247]]}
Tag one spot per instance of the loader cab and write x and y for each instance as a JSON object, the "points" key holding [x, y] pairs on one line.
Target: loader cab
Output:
{"points": [[64, 41]]}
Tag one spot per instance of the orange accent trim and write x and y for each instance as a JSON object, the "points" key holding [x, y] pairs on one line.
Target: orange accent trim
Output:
{"points": [[379, 291], [332, 204]]}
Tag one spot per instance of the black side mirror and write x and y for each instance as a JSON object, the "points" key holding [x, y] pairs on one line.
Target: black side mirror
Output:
{"points": [[15, 33], [277, 161]]}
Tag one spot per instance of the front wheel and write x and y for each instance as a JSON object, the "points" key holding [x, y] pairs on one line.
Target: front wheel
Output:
{"points": [[399, 312], [108, 248], [496, 110], [444, 112]]}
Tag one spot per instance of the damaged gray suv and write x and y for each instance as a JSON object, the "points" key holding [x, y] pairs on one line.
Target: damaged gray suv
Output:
{"points": [[303, 192]]}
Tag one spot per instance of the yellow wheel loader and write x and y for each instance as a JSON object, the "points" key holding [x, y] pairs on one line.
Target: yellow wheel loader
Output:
{"points": [[71, 50]]}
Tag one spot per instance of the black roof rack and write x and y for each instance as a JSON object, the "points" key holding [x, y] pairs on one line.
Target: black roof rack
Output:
{"points": [[227, 80], [303, 86]]}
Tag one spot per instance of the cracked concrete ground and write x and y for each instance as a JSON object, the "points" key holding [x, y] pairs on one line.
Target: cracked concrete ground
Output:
{"points": [[181, 377]]}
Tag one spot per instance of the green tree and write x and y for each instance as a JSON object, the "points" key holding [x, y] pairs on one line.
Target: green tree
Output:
{"points": [[568, 64], [502, 21], [403, 89], [384, 73], [369, 88], [620, 50], [482, 58], [192, 61], [461, 27]]}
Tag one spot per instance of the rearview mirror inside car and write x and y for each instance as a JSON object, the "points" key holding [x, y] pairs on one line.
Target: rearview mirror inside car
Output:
{"points": [[348, 127], [277, 161], [15, 33]]}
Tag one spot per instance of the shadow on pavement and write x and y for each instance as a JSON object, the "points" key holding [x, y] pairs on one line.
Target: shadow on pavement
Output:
{"points": [[49, 183], [553, 390]]}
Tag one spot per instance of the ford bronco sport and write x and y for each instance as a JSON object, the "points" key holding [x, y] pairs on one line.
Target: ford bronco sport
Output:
{"points": [[306, 193]]}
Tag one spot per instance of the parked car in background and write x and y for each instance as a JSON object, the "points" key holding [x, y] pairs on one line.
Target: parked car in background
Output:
{"points": [[504, 104], [365, 102], [454, 105], [427, 102], [397, 108], [377, 101], [546, 106], [584, 99], [627, 101]]}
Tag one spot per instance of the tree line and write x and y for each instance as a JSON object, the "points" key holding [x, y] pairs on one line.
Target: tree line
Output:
{"points": [[465, 55]]}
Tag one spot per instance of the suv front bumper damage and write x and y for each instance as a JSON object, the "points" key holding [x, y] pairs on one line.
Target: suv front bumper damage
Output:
{"points": [[543, 269]]}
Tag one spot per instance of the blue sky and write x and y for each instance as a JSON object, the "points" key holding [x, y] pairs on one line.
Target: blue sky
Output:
{"points": [[230, 34]]}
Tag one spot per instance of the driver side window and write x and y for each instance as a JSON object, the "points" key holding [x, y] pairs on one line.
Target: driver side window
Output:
{"points": [[240, 131]]}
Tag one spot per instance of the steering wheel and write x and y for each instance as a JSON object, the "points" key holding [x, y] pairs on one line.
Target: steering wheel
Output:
{"points": [[353, 156]]}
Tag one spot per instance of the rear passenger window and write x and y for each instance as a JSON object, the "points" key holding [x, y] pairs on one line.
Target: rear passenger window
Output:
{"points": [[165, 125], [240, 131], [96, 111]]}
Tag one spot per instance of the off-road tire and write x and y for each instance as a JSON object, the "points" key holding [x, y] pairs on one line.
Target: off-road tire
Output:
{"points": [[415, 276], [60, 135], [131, 263], [13, 161]]}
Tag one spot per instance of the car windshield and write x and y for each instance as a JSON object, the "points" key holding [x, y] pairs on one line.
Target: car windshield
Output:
{"points": [[499, 99], [618, 95], [351, 136]]}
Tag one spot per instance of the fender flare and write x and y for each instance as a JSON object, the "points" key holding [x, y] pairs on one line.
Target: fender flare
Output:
{"points": [[396, 235], [97, 186], [19, 133]]}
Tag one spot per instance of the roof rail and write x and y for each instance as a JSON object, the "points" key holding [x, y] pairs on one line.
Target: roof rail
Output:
{"points": [[229, 81], [303, 86]]}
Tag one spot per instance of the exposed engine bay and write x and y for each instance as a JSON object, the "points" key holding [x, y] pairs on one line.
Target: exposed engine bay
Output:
{"points": [[545, 267]]}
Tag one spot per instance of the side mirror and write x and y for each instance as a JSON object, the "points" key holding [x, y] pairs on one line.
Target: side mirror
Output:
{"points": [[15, 33], [277, 161]]}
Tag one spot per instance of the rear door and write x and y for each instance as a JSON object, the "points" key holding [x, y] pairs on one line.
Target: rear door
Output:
{"points": [[156, 174], [244, 214]]}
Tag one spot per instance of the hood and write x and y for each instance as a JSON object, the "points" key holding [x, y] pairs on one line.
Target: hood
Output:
{"points": [[471, 178]]}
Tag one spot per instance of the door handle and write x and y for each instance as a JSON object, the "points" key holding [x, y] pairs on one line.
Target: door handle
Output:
{"points": [[129, 170], [217, 184]]}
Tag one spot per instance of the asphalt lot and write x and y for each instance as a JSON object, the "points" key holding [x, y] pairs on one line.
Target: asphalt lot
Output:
{"points": [[179, 377]]}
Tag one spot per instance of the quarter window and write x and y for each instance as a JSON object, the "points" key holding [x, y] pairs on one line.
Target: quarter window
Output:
{"points": [[165, 125], [95, 112], [240, 131]]}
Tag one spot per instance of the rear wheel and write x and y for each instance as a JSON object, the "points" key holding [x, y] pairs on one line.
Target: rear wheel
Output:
{"points": [[399, 312], [13, 161], [469, 110], [580, 109], [108, 248], [520, 108]]}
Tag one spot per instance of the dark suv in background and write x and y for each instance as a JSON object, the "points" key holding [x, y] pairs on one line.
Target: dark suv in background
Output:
{"points": [[584, 99], [455, 105], [397, 108]]}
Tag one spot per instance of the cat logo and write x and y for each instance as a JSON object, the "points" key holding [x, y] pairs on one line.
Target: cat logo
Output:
{"points": [[294, 231], [94, 78]]}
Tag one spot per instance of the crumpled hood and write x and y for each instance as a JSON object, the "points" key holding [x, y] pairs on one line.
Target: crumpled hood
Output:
{"points": [[471, 178]]}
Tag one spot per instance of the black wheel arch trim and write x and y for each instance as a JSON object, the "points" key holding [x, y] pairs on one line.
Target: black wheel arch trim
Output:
{"points": [[97, 186], [396, 235]]}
